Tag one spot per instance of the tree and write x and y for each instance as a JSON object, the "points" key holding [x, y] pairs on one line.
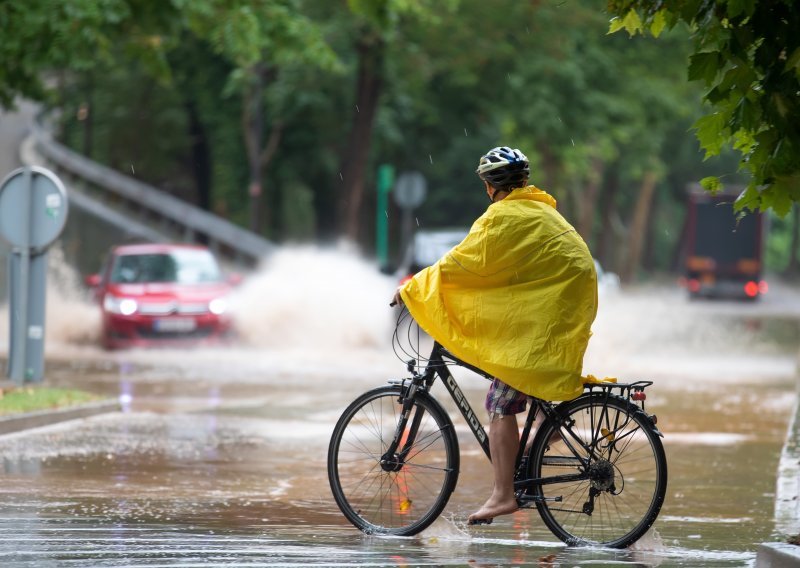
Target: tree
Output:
{"points": [[747, 52], [39, 36], [258, 38], [378, 25]]}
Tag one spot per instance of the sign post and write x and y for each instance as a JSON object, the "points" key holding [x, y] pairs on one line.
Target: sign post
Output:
{"points": [[409, 193], [385, 180], [33, 212]]}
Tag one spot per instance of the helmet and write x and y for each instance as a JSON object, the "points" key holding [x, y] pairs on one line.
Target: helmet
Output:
{"points": [[504, 168]]}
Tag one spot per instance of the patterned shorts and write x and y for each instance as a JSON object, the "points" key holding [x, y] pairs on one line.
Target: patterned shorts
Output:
{"points": [[505, 400]]}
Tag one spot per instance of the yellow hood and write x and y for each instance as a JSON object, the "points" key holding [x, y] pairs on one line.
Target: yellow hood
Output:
{"points": [[516, 298]]}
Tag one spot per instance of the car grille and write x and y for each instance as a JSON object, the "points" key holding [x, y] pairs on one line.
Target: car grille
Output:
{"points": [[167, 308]]}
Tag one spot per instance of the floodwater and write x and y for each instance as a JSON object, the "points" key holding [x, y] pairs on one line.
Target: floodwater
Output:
{"points": [[219, 455]]}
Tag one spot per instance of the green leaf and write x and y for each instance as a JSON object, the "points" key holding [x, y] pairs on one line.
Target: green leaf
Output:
{"points": [[777, 196], [712, 132], [711, 184], [743, 141], [737, 7], [615, 25], [750, 199], [718, 94], [658, 23], [632, 22], [793, 61], [704, 65]]}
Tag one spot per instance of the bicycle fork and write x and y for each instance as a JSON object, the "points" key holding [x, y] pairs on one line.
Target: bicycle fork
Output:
{"points": [[392, 459]]}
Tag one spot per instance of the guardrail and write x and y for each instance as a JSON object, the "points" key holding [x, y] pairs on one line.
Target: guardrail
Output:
{"points": [[153, 206]]}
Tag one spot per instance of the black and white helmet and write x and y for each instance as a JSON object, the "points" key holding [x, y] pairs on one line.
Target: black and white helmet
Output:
{"points": [[504, 167]]}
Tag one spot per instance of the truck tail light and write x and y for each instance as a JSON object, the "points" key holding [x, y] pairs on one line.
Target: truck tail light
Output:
{"points": [[763, 287], [751, 289]]}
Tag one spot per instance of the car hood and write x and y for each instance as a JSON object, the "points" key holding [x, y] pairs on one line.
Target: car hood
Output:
{"points": [[170, 291]]}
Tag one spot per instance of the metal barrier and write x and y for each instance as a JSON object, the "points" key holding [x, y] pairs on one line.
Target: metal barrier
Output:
{"points": [[159, 213]]}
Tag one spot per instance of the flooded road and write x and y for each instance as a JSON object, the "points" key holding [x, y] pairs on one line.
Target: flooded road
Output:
{"points": [[219, 458]]}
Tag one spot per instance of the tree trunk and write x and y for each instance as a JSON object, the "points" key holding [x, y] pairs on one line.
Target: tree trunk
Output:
{"points": [[371, 50], [267, 212], [86, 113], [606, 241], [201, 156], [588, 202], [649, 261], [638, 228], [252, 127], [550, 167]]}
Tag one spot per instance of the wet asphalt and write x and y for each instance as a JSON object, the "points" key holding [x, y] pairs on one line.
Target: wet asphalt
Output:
{"points": [[218, 457]]}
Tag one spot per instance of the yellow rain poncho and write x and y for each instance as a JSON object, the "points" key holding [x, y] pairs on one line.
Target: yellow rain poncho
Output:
{"points": [[516, 298]]}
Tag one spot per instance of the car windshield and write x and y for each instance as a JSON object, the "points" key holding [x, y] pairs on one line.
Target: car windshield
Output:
{"points": [[180, 266]]}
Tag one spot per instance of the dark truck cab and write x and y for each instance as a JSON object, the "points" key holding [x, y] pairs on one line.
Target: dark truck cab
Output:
{"points": [[723, 252]]}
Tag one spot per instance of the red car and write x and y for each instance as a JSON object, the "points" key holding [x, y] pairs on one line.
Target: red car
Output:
{"points": [[156, 294]]}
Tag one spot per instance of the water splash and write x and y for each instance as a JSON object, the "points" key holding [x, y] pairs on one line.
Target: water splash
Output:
{"points": [[306, 297], [71, 317]]}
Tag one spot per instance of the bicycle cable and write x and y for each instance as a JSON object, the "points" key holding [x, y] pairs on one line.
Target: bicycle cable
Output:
{"points": [[409, 348]]}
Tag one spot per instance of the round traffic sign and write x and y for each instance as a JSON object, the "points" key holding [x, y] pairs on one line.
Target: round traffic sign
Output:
{"points": [[410, 190], [33, 208]]}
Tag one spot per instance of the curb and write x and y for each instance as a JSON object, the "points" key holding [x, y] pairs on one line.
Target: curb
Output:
{"points": [[787, 500], [41, 418], [787, 495], [778, 555]]}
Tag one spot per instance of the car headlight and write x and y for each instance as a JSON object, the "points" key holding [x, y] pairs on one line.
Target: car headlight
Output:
{"points": [[122, 306], [218, 306]]}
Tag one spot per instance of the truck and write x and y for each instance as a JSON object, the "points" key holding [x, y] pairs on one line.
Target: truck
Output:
{"points": [[723, 249]]}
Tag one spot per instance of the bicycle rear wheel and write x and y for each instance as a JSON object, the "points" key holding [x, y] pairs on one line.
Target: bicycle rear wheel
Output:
{"points": [[397, 494], [608, 487]]}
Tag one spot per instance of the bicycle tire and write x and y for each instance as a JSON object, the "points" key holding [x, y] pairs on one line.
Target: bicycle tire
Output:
{"points": [[628, 472], [402, 502]]}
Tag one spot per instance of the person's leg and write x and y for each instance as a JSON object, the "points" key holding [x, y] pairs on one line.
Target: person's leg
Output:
{"points": [[503, 444], [503, 404]]}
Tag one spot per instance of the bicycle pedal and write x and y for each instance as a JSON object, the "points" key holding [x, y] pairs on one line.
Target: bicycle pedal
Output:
{"points": [[480, 522]]}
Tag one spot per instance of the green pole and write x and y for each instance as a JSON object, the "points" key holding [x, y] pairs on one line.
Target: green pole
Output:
{"points": [[385, 181]]}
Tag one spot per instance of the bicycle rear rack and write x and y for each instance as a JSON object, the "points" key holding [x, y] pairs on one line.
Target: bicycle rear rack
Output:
{"points": [[632, 392]]}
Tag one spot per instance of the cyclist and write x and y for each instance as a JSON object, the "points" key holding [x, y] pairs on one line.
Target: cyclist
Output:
{"points": [[516, 298]]}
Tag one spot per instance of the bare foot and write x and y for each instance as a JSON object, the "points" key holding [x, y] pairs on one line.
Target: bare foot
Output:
{"points": [[494, 508]]}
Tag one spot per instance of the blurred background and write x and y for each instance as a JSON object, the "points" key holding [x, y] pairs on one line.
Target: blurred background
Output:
{"points": [[279, 118]]}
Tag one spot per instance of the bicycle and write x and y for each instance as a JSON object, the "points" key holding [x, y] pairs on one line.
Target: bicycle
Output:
{"points": [[596, 470]]}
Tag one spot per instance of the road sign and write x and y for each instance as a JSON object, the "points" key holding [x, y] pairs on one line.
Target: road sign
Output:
{"points": [[410, 190], [33, 212], [33, 208]]}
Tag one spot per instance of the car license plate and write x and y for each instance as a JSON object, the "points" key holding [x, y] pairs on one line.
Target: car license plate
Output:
{"points": [[173, 325]]}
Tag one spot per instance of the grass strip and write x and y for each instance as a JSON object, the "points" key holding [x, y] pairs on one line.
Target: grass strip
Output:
{"points": [[32, 399]]}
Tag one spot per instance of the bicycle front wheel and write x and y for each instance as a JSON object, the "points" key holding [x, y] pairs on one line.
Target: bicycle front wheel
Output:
{"points": [[602, 472], [402, 493]]}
